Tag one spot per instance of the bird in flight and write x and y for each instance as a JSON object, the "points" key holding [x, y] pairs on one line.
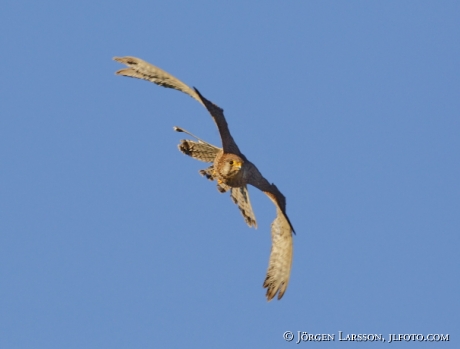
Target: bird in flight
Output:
{"points": [[231, 170]]}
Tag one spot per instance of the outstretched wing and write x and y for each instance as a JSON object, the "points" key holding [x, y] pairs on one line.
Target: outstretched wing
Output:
{"points": [[279, 266], [217, 114], [141, 69], [255, 178]]}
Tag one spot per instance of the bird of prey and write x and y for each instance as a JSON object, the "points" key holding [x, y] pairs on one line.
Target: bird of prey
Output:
{"points": [[231, 170]]}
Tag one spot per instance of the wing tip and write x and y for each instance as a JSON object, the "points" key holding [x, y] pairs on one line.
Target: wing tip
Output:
{"points": [[127, 60], [273, 290], [124, 72]]}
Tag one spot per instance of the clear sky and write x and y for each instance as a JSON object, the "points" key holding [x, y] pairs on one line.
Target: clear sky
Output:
{"points": [[109, 237]]}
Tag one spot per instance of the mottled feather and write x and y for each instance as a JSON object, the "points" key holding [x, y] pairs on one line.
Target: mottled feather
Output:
{"points": [[198, 150], [279, 266], [240, 196], [141, 69]]}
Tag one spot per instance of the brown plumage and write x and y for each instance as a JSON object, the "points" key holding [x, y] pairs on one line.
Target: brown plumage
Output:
{"points": [[232, 171]]}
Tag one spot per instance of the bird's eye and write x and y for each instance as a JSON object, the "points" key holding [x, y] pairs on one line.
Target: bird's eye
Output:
{"points": [[231, 162]]}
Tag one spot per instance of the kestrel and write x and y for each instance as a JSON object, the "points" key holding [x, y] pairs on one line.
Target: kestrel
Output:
{"points": [[232, 171]]}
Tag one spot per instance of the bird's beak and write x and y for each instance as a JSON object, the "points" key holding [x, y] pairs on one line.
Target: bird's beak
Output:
{"points": [[237, 164]]}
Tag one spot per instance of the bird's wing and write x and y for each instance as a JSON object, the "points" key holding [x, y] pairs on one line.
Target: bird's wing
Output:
{"points": [[279, 266], [217, 113], [240, 196], [255, 178], [138, 68], [198, 150]]}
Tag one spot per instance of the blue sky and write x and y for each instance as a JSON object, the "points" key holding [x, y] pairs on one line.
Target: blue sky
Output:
{"points": [[109, 238]]}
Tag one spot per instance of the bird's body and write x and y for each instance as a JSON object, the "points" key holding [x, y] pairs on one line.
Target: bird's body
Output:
{"points": [[232, 171]]}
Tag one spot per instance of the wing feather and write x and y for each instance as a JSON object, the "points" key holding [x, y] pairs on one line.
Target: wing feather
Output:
{"points": [[240, 197], [140, 69], [217, 113], [198, 150], [255, 178], [279, 266]]}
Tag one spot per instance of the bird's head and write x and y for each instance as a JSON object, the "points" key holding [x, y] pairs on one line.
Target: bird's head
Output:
{"points": [[231, 165]]}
